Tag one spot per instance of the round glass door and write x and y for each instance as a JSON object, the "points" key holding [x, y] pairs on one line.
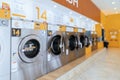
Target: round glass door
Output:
{"points": [[31, 48], [72, 42], [55, 45], [82, 40], [87, 42]]}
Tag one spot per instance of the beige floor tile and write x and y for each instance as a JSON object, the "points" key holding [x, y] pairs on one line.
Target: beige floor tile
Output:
{"points": [[105, 66], [87, 68]]}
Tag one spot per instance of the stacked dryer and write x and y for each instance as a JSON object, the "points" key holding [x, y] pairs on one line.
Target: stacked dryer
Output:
{"points": [[4, 49], [28, 51], [55, 48], [71, 44]]}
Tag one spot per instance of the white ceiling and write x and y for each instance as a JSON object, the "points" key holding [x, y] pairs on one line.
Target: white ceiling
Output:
{"points": [[108, 7]]}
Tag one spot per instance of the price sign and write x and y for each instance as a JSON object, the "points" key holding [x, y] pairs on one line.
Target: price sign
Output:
{"points": [[16, 32], [42, 15]]}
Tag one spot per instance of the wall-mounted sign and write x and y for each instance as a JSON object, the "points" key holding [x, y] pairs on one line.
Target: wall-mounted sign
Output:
{"points": [[85, 7], [73, 2]]}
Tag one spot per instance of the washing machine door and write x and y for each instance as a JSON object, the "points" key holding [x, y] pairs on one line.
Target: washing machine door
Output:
{"points": [[87, 41], [29, 48], [56, 45], [82, 40], [72, 42]]}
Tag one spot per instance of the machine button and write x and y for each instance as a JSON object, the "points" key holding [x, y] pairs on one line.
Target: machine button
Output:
{"points": [[3, 22]]}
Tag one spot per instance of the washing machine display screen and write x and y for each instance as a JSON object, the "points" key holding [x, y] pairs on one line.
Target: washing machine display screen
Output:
{"points": [[55, 45], [82, 40], [31, 48], [72, 42]]}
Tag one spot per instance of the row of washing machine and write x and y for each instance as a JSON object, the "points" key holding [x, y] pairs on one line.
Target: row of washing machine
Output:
{"points": [[26, 53], [64, 46]]}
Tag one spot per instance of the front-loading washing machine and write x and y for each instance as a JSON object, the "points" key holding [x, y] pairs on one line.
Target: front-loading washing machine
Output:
{"points": [[4, 49], [56, 48], [71, 44], [83, 42], [28, 51], [94, 42], [88, 38]]}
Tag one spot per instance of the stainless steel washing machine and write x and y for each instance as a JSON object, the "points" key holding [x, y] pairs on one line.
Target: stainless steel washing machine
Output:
{"points": [[88, 40], [71, 45], [4, 49], [28, 51], [56, 48], [94, 42], [83, 42]]}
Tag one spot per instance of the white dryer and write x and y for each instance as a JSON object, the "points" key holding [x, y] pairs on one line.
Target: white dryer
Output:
{"points": [[4, 49], [28, 51]]}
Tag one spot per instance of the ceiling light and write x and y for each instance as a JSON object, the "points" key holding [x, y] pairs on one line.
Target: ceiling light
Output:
{"points": [[113, 2], [80, 16], [55, 6], [115, 8]]}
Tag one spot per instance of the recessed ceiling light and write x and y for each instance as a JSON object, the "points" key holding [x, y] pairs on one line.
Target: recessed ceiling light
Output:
{"points": [[55, 6], [115, 8], [113, 2]]}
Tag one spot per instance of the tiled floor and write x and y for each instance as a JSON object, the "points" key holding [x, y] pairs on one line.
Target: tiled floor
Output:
{"points": [[61, 71], [104, 65]]}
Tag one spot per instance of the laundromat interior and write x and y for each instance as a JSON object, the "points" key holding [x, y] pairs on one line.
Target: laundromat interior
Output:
{"points": [[59, 39]]}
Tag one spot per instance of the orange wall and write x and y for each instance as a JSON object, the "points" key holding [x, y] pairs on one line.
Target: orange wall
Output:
{"points": [[111, 23], [98, 29], [85, 7], [103, 18]]}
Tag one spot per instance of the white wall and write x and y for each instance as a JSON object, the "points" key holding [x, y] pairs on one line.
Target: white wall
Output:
{"points": [[56, 14]]}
